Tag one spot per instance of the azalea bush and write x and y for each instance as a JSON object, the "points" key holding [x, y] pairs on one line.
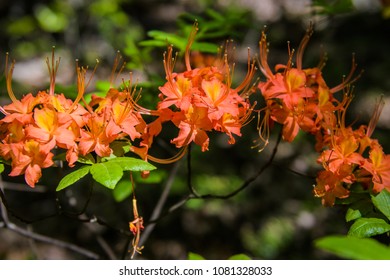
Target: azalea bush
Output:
{"points": [[111, 135]]}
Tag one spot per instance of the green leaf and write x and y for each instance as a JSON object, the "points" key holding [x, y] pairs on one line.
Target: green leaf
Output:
{"points": [[333, 7], [352, 214], [122, 190], [195, 257], [107, 173], [51, 20], [358, 209], [103, 86], [73, 177], [382, 202], [132, 164], [239, 257], [349, 247], [87, 159], [205, 47], [120, 148], [355, 196], [167, 38], [366, 227], [1, 168], [155, 177]]}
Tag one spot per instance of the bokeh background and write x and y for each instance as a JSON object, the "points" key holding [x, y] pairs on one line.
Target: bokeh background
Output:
{"points": [[275, 217]]}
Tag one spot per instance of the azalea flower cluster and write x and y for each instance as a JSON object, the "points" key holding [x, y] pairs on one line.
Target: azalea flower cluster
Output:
{"points": [[352, 156], [35, 126], [201, 100], [300, 99]]}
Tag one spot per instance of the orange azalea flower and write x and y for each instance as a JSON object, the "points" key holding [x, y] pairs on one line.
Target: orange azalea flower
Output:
{"points": [[51, 127], [342, 152], [177, 91], [329, 187], [98, 136], [290, 87], [193, 126], [29, 158], [378, 165], [22, 110], [230, 125]]}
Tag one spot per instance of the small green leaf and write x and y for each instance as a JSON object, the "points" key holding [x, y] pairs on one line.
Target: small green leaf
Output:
{"points": [[205, 47], [132, 164], [195, 257], [119, 148], [366, 227], [358, 209], [382, 202], [352, 214], [61, 156], [87, 159], [239, 257], [73, 177], [51, 20], [155, 177], [1, 168], [103, 86], [349, 247], [167, 38], [107, 173], [122, 190]]}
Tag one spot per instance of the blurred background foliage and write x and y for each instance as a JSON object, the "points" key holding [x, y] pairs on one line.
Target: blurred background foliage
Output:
{"points": [[277, 217]]}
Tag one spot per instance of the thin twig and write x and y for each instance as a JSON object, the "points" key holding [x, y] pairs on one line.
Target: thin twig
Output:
{"points": [[160, 204], [249, 180], [52, 241], [16, 216], [193, 194], [189, 176], [102, 242], [35, 236]]}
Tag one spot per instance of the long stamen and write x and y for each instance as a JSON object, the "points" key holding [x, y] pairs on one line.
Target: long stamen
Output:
{"points": [[191, 40], [133, 98], [93, 73], [289, 64], [117, 62], [52, 66], [263, 127], [375, 116], [8, 77], [173, 159], [82, 86], [348, 80], [244, 120], [249, 75], [264, 67], [303, 45]]}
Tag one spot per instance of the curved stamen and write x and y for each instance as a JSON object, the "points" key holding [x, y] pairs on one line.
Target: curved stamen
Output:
{"points": [[348, 80], [264, 67], [8, 77], [263, 127], [249, 74], [175, 158], [191, 40], [375, 116], [114, 74], [302, 46]]}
